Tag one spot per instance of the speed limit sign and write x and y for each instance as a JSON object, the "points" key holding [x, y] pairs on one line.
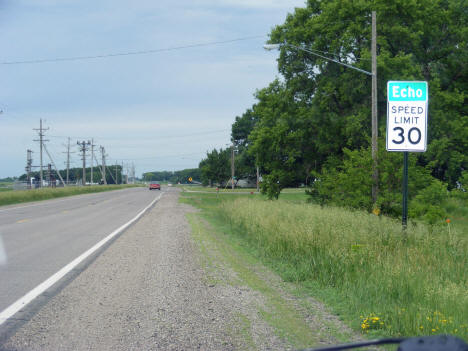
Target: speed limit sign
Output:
{"points": [[407, 116]]}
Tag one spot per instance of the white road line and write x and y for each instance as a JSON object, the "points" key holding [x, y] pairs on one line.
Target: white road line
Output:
{"points": [[23, 301]]}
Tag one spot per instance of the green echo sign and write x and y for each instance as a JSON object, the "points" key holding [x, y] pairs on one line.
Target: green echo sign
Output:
{"points": [[407, 91]]}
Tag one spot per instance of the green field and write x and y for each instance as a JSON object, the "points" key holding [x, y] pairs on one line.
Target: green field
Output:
{"points": [[6, 186], [380, 280], [21, 196]]}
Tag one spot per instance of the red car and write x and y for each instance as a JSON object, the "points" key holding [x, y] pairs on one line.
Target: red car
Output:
{"points": [[154, 185]]}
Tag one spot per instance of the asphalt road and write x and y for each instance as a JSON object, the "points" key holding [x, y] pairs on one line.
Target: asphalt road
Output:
{"points": [[163, 284], [40, 238]]}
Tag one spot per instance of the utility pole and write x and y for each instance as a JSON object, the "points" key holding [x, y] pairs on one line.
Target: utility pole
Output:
{"points": [[92, 160], [133, 173], [83, 148], [232, 166], [103, 156], [375, 171], [67, 163], [41, 143], [116, 179], [28, 168]]}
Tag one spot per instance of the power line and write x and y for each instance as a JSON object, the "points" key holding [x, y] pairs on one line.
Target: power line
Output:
{"points": [[129, 53], [158, 156], [149, 137], [340, 56]]}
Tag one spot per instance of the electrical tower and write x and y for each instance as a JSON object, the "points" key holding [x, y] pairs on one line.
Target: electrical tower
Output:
{"points": [[41, 145], [84, 146]]}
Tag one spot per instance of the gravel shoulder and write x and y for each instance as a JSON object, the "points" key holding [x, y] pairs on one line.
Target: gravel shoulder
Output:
{"points": [[167, 284]]}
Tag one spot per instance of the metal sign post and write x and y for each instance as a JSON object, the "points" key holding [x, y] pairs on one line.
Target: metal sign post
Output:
{"points": [[406, 125], [404, 216]]}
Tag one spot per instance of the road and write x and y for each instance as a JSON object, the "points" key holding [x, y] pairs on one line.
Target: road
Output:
{"points": [[40, 238], [168, 282]]}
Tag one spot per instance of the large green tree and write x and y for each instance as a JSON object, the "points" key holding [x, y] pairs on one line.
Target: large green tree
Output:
{"points": [[417, 40], [245, 163], [216, 168], [283, 140]]}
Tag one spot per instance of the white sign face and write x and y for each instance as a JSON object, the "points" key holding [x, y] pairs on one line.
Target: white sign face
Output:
{"points": [[407, 116]]}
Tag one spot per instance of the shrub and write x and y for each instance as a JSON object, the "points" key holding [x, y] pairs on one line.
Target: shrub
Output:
{"points": [[349, 183], [271, 186], [428, 203]]}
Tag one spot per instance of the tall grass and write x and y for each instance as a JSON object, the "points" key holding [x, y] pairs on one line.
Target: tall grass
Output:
{"points": [[21, 196], [391, 282]]}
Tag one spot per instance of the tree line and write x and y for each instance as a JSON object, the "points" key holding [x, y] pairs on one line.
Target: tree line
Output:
{"points": [[312, 125], [174, 176]]}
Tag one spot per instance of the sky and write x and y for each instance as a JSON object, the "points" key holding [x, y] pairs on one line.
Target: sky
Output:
{"points": [[160, 111]]}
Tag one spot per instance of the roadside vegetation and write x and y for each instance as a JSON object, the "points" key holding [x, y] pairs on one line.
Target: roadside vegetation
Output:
{"points": [[380, 280], [21, 196], [6, 184]]}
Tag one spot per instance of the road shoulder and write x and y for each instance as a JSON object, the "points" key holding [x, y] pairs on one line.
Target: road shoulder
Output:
{"points": [[273, 314]]}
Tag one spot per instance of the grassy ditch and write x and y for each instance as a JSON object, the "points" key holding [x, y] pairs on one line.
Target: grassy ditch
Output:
{"points": [[6, 186], [220, 250], [21, 196], [381, 281]]}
